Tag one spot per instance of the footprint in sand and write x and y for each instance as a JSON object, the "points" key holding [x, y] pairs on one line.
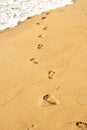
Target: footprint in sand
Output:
{"points": [[40, 46], [47, 13], [61, 10], [57, 88], [38, 23], [43, 18], [51, 74], [81, 125], [34, 60], [45, 28], [40, 36], [48, 100], [32, 126]]}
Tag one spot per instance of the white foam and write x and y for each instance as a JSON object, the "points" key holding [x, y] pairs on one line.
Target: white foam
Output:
{"points": [[14, 11]]}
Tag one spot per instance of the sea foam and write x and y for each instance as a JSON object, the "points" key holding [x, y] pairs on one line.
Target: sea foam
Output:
{"points": [[14, 11]]}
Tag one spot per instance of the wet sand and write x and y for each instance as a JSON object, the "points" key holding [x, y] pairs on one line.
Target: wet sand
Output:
{"points": [[43, 71]]}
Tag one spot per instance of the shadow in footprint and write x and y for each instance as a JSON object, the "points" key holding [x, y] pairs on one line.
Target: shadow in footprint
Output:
{"points": [[40, 46], [40, 36], [43, 18], [33, 125], [47, 13], [34, 60], [81, 125], [51, 74], [38, 23], [48, 100], [57, 88], [45, 28]]}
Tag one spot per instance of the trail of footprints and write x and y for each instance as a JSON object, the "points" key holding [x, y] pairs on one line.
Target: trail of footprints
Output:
{"points": [[51, 74], [47, 99]]}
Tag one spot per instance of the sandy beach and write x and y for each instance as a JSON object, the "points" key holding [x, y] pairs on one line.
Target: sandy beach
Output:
{"points": [[43, 71]]}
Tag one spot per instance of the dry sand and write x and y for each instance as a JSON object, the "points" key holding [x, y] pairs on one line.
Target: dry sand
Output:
{"points": [[43, 72]]}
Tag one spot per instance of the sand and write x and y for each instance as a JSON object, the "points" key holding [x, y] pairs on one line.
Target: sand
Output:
{"points": [[43, 71]]}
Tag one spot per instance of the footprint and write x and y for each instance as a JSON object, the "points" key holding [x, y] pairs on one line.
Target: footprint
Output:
{"points": [[81, 125], [43, 18], [40, 36], [45, 28], [61, 10], [34, 60], [79, 103], [57, 88], [38, 23], [47, 13], [48, 100], [33, 125], [40, 46], [51, 74]]}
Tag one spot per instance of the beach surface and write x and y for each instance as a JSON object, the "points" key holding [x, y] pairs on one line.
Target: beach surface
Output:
{"points": [[43, 71]]}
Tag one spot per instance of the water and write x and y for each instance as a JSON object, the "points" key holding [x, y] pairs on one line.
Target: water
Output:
{"points": [[14, 11]]}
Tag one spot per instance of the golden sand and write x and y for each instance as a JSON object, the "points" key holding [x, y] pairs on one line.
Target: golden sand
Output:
{"points": [[43, 71]]}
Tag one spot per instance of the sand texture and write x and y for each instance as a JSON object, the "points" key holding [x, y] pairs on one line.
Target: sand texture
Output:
{"points": [[43, 71]]}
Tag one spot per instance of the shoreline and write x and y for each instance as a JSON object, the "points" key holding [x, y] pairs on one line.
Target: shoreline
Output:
{"points": [[17, 15]]}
